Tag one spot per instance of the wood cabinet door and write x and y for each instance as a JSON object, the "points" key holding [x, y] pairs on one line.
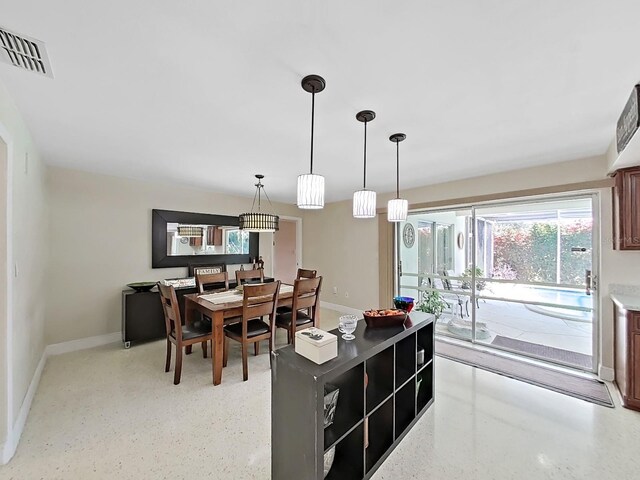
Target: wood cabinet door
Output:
{"points": [[628, 213], [634, 390]]}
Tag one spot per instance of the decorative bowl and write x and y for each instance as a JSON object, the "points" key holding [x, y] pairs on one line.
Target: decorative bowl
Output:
{"points": [[141, 286], [403, 303], [384, 318]]}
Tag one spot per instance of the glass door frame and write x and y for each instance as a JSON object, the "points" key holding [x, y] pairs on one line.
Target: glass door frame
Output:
{"points": [[594, 196]]}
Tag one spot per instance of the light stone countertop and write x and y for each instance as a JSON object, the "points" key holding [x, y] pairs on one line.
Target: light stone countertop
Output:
{"points": [[628, 302]]}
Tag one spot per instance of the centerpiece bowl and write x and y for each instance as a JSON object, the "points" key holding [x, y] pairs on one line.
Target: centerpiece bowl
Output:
{"points": [[141, 286], [384, 318]]}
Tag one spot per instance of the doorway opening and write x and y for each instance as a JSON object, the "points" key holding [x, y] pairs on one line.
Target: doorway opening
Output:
{"points": [[287, 249], [516, 276]]}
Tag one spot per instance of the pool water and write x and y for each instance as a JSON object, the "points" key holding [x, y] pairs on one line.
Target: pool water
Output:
{"points": [[572, 298]]}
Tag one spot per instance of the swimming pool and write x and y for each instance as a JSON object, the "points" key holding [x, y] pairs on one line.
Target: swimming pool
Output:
{"points": [[568, 297]]}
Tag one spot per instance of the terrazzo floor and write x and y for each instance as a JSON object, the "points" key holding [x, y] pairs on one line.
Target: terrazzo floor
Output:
{"points": [[108, 413]]}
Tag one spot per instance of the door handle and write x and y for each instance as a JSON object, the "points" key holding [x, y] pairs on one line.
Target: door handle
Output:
{"points": [[588, 279]]}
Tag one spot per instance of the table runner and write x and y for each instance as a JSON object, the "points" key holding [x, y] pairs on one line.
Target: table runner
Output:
{"points": [[235, 296]]}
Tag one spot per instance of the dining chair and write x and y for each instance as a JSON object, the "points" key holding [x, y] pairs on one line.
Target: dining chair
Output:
{"points": [[302, 273], [257, 302], [204, 280], [306, 295], [181, 335], [249, 276]]}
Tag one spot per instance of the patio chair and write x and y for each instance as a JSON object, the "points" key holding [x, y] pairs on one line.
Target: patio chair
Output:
{"points": [[451, 298]]}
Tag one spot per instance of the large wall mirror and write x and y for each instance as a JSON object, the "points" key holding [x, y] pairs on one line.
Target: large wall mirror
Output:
{"points": [[183, 238]]}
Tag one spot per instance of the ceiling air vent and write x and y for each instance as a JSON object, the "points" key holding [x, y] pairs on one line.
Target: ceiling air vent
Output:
{"points": [[24, 52]]}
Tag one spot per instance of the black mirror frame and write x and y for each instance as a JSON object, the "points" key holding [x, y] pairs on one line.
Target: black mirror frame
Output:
{"points": [[159, 257]]}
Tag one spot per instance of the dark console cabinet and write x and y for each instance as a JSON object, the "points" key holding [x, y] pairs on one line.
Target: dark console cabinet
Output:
{"points": [[142, 317]]}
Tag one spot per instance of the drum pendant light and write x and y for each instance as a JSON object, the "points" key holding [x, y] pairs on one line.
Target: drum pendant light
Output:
{"points": [[397, 208], [364, 201], [311, 186], [259, 221]]}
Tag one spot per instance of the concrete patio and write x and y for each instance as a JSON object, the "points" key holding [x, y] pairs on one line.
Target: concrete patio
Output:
{"points": [[514, 320]]}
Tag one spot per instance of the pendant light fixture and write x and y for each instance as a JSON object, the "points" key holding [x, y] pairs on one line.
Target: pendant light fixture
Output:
{"points": [[397, 208], [259, 221], [311, 186], [364, 201]]}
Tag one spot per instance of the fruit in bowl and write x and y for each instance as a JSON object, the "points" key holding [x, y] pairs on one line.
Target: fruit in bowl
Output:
{"points": [[384, 317], [403, 303]]}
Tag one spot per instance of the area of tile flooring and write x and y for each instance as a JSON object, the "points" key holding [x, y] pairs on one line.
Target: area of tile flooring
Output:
{"points": [[113, 413]]}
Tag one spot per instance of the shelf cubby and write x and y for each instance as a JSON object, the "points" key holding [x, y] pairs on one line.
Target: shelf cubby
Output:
{"points": [[424, 386], [350, 406], [347, 463], [405, 359], [405, 407], [379, 370], [379, 433], [425, 341], [380, 412]]}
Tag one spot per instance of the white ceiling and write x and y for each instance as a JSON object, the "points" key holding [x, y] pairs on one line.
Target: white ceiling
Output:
{"points": [[207, 93]]}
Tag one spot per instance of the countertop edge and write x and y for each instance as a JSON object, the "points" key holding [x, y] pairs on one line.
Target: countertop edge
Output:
{"points": [[627, 302]]}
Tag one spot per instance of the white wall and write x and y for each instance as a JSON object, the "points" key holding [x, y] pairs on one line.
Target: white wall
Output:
{"points": [[345, 250], [100, 240], [29, 244]]}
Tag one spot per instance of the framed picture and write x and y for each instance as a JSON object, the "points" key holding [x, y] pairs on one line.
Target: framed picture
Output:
{"points": [[204, 268]]}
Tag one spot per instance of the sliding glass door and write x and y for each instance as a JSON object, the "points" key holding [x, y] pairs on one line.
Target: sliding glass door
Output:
{"points": [[516, 276]]}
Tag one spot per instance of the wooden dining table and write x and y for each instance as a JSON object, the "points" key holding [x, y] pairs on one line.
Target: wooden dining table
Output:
{"points": [[221, 314]]}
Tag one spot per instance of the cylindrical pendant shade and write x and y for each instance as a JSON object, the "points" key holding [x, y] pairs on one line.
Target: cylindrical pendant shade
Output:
{"points": [[259, 222], [310, 191], [364, 204], [397, 210]]}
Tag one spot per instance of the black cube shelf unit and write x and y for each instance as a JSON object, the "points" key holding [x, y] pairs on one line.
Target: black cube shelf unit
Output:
{"points": [[383, 393]]}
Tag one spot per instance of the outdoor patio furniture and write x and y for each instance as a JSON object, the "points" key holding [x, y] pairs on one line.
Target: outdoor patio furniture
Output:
{"points": [[452, 299]]}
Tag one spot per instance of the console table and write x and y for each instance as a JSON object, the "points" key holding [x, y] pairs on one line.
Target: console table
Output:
{"points": [[372, 416]]}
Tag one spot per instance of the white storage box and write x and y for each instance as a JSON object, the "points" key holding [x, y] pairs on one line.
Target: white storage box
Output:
{"points": [[316, 345]]}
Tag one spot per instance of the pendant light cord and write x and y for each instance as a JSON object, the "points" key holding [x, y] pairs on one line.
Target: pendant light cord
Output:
{"points": [[313, 111], [397, 169], [364, 181], [260, 188]]}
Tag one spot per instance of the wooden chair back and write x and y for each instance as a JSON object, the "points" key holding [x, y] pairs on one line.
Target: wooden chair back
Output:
{"points": [[244, 276], [171, 310], [303, 273], [306, 293], [205, 279], [259, 301]]}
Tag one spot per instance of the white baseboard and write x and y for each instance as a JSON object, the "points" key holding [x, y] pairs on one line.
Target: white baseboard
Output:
{"points": [[341, 308], [82, 343], [9, 447], [16, 432], [606, 373]]}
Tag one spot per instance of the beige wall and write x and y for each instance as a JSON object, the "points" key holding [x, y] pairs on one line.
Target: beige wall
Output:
{"points": [[345, 250], [100, 240], [28, 238]]}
